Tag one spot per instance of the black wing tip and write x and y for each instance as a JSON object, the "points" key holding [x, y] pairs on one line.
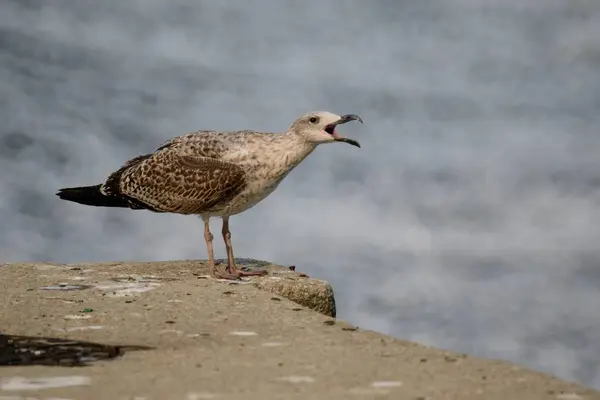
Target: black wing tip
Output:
{"points": [[61, 192]]}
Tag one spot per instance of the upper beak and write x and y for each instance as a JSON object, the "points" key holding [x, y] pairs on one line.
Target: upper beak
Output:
{"points": [[343, 119]]}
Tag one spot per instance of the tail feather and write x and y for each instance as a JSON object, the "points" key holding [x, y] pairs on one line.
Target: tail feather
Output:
{"points": [[92, 196]]}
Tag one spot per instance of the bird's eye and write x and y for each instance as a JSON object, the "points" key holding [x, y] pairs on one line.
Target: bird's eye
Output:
{"points": [[314, 120]]}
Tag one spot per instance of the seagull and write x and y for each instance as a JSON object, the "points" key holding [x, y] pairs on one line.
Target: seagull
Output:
{"points": [[213, 174]]}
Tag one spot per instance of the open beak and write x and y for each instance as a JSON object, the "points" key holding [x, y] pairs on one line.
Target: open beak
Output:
{"points": [[345, 118]]}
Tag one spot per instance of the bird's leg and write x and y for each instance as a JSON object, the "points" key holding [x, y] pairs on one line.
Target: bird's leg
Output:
{"points": [[208, 236], [231, 268]]}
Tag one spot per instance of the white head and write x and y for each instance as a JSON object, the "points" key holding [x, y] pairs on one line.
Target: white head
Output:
{"points": [[319, 127]]}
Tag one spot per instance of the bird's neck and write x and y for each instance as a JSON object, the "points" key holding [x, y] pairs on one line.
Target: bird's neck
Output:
{"points": [[288, 151], [271, 155]]}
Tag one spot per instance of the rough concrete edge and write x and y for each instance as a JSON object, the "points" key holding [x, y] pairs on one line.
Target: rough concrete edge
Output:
{"points": [[308, 292], [316, 294]]}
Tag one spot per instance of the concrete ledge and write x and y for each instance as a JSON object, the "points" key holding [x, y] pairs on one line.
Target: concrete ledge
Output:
{"points": [[192, 337]]}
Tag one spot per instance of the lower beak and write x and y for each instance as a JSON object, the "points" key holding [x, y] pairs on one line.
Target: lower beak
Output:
{"points": [[343, 120], [339, 138]]}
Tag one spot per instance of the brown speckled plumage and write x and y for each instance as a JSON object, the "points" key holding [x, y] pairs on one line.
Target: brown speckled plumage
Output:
{"points": [[212, 173]]}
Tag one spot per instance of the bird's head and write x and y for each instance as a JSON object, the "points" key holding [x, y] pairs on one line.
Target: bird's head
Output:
{"points": [[320, 127]]}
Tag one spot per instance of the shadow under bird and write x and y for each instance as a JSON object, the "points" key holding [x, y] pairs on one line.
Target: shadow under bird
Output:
{"points": [[213, 174]]}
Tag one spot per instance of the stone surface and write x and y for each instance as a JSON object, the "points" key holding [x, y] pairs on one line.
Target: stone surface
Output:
{"points": [[199, 338], [312, 293]]}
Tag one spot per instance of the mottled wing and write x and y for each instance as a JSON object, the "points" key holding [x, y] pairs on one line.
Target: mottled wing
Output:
{"points": [[185, 184], [200, 143]]}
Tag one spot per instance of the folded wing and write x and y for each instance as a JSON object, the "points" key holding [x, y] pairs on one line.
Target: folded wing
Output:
{"points": [[167, 181]]}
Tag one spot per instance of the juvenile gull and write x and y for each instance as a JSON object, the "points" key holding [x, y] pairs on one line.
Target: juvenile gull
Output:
{"points": [[213, 174]]}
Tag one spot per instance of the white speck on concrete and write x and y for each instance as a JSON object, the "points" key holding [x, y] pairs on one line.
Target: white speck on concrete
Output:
{"points": [[22, 383], [273, 344], [386, 384], [171, 331], [84, 328], [76, 316], [243, 333], [126, 289], [569, 396], [297, 379], [202, 396]]}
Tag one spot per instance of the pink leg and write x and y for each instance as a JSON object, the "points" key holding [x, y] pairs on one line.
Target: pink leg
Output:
{"points": [[231, 267], [208, 236]]}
